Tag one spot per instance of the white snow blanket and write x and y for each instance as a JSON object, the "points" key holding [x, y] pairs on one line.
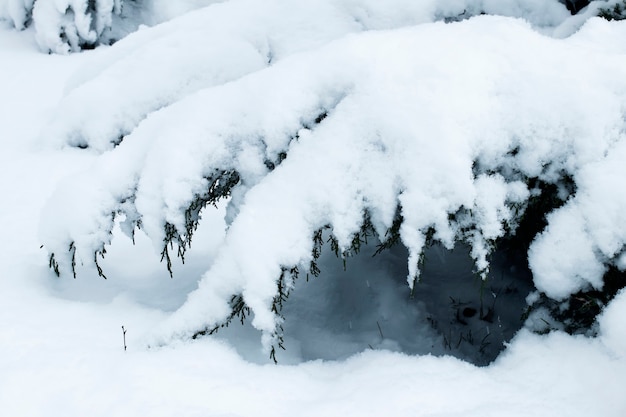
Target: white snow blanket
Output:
{"points": [[447, 122], [61, 346]]}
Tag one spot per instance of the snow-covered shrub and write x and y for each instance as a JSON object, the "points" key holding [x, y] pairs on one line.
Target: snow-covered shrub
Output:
{"points": [[64, 26], [70, 25], [18, 12], [244, 37], [616, 10], [419, 134]]}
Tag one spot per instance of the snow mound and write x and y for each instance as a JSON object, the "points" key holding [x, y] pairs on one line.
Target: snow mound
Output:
{"points": [[226, 41], [64, 26], [430, 133]]}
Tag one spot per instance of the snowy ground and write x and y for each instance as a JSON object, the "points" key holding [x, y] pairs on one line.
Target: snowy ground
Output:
{"points": [[61, 348]]}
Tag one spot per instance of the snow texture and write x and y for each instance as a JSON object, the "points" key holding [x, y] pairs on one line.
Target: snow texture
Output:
{"points": [[61, 351], [18, 12], [445, 122], [231, 40], [64, 26]]}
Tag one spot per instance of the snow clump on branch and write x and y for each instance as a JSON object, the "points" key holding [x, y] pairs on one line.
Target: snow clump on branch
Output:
{"points": [[64, 26]]}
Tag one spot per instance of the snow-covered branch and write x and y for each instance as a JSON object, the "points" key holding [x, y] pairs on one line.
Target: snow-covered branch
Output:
{"points": [[443, 126], [64, 26]]}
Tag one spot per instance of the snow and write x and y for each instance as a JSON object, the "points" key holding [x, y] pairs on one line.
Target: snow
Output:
{"points": [[495, 107], [244, 37], [61, 350], [64, 26]]}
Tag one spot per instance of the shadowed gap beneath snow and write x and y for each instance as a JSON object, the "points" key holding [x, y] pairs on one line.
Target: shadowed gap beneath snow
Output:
{"points": [[340, 312], [368, 306]]}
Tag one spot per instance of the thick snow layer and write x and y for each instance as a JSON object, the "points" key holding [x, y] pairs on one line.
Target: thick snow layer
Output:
{"points": [[67, 25], [444, 121], [61, 347], [63, 26], [228, 40]]}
